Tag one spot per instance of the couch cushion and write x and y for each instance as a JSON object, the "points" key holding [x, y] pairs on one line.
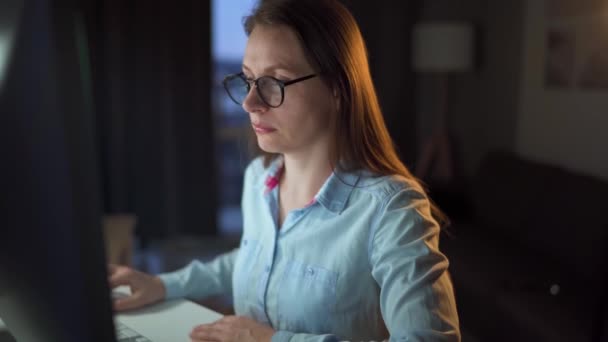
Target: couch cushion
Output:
{"points": [[485, 262], [554, 211], [505, 192], [499, 284], [570, 223], [547, 318]]}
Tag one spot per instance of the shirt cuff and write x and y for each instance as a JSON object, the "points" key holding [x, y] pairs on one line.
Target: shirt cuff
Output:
{"points": [[282, 336], [173, 285]]}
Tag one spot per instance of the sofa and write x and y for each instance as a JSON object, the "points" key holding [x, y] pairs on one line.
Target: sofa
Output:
{"points": [[530, 262]]}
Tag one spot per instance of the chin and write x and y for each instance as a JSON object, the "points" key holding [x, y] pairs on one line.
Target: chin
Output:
{"points": [[268, 146]]}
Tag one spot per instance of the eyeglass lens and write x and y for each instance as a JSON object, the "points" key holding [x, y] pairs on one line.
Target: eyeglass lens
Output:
{"points": [[268, 89]]}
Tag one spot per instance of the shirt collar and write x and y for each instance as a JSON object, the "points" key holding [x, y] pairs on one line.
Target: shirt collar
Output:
{"points": [[334, 193]]}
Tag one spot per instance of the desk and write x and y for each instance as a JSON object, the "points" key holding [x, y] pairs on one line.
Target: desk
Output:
{"points": [[170, 320]]}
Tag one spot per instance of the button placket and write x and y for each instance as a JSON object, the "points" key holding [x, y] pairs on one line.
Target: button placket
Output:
{"points": [[268, 269]]}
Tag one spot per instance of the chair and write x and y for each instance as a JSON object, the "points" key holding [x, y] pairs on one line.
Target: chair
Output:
{"points": [[118, 234]]}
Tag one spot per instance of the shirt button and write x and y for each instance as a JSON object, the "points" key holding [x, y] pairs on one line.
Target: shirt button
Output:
{"points": [[244, 242], [310, 271]]}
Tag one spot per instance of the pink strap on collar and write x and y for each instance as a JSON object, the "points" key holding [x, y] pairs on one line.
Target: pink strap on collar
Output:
{"points": [[272, 181]]}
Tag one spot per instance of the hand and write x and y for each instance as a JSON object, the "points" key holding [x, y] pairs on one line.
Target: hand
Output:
{"points": [[232, 329], [145, 289]]}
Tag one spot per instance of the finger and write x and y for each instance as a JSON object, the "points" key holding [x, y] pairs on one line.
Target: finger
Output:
{"points": [[209, 332], [237, 321], [217, 326], [229, 319], [120, 278], [119, 281], [229, 327], [202, 326], [128, 303]]}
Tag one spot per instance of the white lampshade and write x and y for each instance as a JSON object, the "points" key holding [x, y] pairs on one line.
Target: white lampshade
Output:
{"points": [[442, 47]]}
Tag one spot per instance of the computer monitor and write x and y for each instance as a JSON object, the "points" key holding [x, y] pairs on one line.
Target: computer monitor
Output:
{"points": [[53, 281]]}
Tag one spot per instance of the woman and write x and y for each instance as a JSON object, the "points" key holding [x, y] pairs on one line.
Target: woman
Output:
{"points": [[339, 240]]}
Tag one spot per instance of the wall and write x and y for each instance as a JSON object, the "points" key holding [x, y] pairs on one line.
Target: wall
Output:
{"points": [[566, 127], [483, 104], [504, 103]]}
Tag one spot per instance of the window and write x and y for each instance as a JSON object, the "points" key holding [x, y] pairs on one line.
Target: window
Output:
{"points": [[231, 121]]}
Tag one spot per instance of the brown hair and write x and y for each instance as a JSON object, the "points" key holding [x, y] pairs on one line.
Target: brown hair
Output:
{"points": [[335, 47]]}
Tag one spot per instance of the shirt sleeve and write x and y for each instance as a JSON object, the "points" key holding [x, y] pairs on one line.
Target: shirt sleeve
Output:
{"points": [[199, 280], [416, 293], [286, 336]]}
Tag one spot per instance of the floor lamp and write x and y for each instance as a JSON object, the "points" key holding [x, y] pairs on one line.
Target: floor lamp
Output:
{"points": [[440, 48]]}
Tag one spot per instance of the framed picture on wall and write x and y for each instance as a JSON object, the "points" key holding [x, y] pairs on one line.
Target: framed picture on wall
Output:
{"points": [[576, 44]]}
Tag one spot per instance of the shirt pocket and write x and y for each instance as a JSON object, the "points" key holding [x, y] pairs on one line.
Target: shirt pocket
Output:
{"points": [[243, 267], [307, 297]]}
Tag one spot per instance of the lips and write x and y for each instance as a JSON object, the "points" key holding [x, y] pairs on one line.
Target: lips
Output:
{"points": [[260, 128]]}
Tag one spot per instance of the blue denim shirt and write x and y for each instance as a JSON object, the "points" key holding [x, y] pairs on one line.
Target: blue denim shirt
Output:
{"points": [[360, 263]]}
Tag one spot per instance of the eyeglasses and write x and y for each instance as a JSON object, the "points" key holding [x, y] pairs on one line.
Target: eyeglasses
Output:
{"points": [[269, 89]]}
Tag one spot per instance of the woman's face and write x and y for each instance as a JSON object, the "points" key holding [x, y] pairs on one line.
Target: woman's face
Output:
{"points": [[301, 123]]}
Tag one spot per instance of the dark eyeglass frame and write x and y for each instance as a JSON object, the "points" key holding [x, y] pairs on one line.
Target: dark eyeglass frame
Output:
{"points": [[282, 85]]}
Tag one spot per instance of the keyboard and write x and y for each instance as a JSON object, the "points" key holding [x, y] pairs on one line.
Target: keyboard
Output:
{"points": [[126, 334]]}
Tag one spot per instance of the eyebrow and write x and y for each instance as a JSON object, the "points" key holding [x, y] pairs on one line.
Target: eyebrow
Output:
{"points": [[278, 66]]}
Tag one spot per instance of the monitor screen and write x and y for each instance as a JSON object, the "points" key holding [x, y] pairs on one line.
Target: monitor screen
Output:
{"points": [[53, 281]]}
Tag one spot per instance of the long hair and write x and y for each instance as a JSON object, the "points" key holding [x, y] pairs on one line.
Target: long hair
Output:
{"points": [[334, 46]]}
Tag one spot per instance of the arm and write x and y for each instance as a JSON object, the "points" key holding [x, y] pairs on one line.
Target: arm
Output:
{"points": [[199, 280], [416, 294]]}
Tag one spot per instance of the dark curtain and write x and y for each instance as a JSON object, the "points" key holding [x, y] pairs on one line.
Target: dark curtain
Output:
{"points": [[386, 27], [151, 71]]}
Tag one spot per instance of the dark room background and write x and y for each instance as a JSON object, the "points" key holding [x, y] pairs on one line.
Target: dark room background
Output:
{"points": [[527, 197], [172, 150]]}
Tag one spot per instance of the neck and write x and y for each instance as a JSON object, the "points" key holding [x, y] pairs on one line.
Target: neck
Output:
{"points": [[305, 173]]}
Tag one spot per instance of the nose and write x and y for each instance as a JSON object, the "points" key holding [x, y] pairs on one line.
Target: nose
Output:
{"points": [[253, 103]]}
